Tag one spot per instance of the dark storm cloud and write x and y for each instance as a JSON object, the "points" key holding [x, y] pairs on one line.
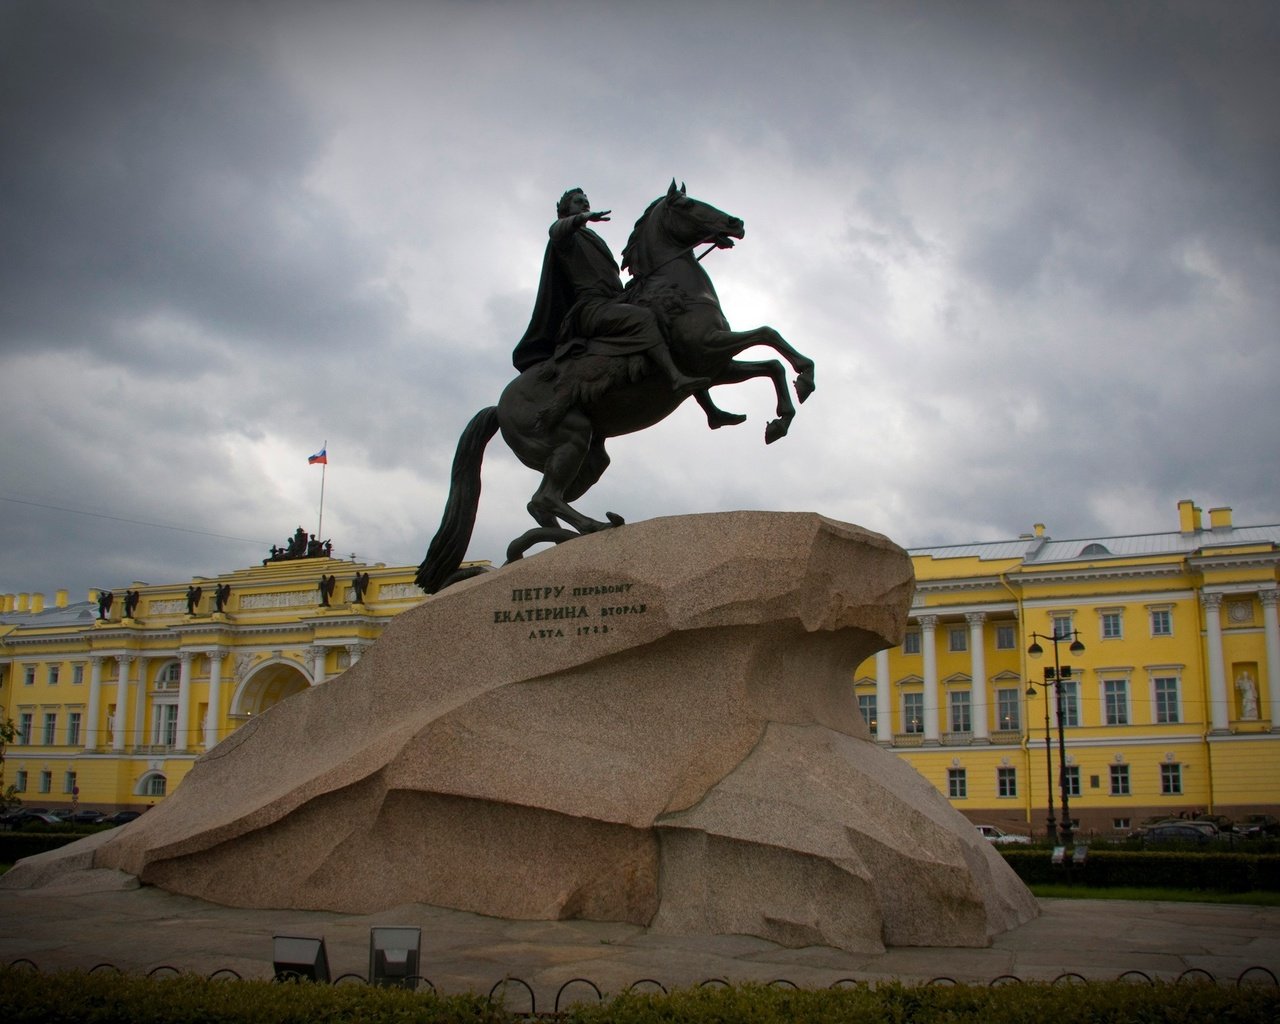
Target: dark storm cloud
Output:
{"points": [[157, 170], [1032, 246]]}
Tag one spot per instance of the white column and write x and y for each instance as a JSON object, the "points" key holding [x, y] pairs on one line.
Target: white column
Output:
{"points": [[1219, 710], [928, 645], [1271, 629], [884, 699], [213, 720], [122, 701], [355, 651], [184, 699], [95, 702], [140, 704], [978, 670], [317, 664]]}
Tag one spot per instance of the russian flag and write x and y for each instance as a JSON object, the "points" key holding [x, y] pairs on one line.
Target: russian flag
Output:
{"points": [[320, 458]]}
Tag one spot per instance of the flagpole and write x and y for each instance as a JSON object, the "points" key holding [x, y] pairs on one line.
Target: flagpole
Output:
{"points": [[324, 468]]}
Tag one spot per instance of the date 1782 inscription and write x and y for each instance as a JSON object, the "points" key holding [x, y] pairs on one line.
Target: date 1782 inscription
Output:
{"points": [[560, 611]]}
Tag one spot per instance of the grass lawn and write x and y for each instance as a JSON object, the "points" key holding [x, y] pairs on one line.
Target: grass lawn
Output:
{"points": [[1084, 892]]}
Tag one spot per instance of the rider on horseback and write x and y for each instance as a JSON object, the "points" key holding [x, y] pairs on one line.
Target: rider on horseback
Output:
{"points": [[580, 307]]}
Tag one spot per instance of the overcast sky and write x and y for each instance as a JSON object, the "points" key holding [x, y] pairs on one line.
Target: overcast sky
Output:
{"points": [[1033, 248]]}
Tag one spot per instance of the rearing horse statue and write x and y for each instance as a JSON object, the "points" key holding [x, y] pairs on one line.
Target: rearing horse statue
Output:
{"points": [[557, 415]]}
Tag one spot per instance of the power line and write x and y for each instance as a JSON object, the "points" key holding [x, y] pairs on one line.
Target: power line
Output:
{"points": [[133, 522]]}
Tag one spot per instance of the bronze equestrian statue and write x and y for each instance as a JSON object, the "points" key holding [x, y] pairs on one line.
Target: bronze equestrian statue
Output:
{"points": [[600, 360]]}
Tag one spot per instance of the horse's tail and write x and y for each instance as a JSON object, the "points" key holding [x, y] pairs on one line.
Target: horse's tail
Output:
{"points": [[449, 545]]}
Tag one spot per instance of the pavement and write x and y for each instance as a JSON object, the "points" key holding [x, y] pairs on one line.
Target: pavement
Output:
{"points": [[94, 917]]}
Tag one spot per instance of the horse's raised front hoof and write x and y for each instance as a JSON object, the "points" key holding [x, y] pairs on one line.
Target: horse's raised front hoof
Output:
{"points": [[805, 385], [774, 430], [615, 519]]}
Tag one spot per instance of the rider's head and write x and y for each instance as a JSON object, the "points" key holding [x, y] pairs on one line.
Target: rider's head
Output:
{"points": [[563, 207]]}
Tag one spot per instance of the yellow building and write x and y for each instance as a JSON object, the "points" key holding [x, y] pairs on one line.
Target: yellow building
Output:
{"points": [[1169, 708], [1172, 706], [113, 704]]}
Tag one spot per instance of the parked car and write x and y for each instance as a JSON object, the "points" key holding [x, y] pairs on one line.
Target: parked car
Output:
{"points": [[1258, 826], [1001, 837], [1180, 832], [28, 818], [1220, 821], [120, 818], [85, 817]]}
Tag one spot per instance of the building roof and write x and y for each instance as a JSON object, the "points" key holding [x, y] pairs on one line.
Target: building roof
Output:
{"points": [[1043, 550]]}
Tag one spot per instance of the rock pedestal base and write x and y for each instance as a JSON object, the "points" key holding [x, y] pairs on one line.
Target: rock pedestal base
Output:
{"points": [[652, 724]]}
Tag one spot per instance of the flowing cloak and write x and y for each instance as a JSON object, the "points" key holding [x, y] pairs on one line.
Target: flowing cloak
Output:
{"points": [[579, 297]]}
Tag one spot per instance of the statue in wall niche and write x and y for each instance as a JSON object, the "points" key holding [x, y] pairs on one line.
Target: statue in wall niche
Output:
{"points": [[131, 598], [194, 594], [221, 596], [105, 600], [1248, 691], [599, 360]]}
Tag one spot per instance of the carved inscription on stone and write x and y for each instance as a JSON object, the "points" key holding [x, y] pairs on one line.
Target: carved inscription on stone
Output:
{"points": [[563, 610], [281, 599]]}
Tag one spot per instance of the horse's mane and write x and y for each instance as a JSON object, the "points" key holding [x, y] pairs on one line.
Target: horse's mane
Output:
{"points": [[634, 254]]}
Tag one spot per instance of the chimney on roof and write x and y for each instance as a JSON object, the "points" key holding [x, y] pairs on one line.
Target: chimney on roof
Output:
{"points": [[37, 603], [60, 599], [1188, 516], [6, 602], [1039, 528], [1220, 518], [23, 602]]}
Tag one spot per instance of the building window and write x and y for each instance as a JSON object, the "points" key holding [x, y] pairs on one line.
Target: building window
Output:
{"points": [[50, 727], [164, 725], [1161, 622], [1072, 776], [73, 728], [24, 728], [1062, 625], [46, 782], [69, 782], [957, 784], [168, 677], [1070, 703], [1009, 710], [913, 712], [1171, 779], [77, 674], [911, 642], [1115, 699], [957, 639], [961, 717], [867, 708], [1006, 782], [1006, 638], [1166, 691], [1119, 780], [1119, 823], [155, 786], [20, 780], [54, 672], [29, 676], [1112, 626]]}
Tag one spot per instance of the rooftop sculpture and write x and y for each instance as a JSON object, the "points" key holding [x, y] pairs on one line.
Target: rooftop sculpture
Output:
{"points": [[599, 360]]}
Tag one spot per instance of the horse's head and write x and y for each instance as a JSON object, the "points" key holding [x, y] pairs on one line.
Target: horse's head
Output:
{"points": [[676, 222]]}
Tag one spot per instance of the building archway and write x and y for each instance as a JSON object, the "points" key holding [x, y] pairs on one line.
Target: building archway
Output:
{"points": [[268, 684]]}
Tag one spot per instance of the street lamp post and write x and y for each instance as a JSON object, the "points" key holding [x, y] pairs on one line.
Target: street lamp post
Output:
{"points": [[1052, 825], [1055, 677]]}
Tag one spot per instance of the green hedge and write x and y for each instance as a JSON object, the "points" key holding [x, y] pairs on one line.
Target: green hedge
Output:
{"points": [[16, 845], [104, 998], [1223, 872]]}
